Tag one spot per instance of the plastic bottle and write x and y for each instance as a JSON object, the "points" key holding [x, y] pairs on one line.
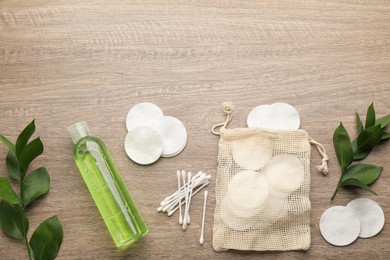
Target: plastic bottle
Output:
{"points": [[106, 186]]}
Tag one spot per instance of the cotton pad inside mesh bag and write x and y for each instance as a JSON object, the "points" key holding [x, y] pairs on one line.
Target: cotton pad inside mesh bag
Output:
{"points": [[262, 189]]}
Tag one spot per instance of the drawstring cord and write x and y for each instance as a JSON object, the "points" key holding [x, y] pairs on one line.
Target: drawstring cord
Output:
{"points": [[227, 109], [323, 168]]}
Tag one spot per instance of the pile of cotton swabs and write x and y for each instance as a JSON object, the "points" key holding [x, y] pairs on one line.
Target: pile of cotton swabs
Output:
{"points": [[182, 197]]}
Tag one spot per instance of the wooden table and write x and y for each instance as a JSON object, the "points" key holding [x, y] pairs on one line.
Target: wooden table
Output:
{"points": [[67, 61]]}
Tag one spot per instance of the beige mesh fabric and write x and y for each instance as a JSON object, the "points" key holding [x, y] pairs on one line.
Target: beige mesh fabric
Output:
{"points": [[262, 190]]}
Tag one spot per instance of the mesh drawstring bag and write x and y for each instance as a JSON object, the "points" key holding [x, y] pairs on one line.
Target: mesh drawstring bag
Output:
{"points": [[262, 188]]}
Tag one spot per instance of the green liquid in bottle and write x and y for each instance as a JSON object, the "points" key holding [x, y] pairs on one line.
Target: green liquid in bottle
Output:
{"points": [[107, 188]]}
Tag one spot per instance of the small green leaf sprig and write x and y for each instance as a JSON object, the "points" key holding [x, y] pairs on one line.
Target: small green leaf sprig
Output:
{"points": [[46, 240], [347, 151]]}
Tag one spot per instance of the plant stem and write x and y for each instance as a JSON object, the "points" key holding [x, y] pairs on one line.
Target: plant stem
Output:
{"points": [[338, 184], [25, 237], [28, 248], [27, 244], [23, 208], [335, 192]]}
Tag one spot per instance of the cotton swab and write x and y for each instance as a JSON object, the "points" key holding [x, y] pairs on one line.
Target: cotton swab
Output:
{"points": [[201, 239], [185, 220], [198, 178], [168, 206], [189, 201], [170, 202], [184, 194], [170, 213], [179, 188], [175, 194], [183, 175]]}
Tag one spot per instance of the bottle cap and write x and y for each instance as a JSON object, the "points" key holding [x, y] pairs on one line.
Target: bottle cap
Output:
{"points": [[78, 131]]}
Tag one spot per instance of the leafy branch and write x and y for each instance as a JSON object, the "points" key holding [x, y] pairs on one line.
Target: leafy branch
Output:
{"points": [[347, 151], [47, 237]]}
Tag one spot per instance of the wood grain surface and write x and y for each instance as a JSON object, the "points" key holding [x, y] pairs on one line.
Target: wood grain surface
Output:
{"points": [[66, 61]]}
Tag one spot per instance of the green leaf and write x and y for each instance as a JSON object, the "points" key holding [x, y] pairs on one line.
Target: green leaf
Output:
{"points": [[343, 147], [47, 238], [358, 155], [8, 143], [13, 220], [385, 135], [383, 121], [7, 193], [357, 183], [29, 153], [359, 124], [354, 145], [370, 119], [36, 184], [13, 166], [368, 138], [24, 137], [366, 173]]}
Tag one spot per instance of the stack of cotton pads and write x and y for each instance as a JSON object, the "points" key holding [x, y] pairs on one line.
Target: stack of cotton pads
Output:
{"points": [[245, 198], [262, 190], [152, 135], [362, 217], [254, 196]]}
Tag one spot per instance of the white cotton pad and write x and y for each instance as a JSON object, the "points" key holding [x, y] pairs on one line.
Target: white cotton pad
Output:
{"points": [[258, 116], [284, 173], [370, 214], [142, 114], [233, 221], [173, 133], [247, 192], [282, 194], [275, 208], [143, 145], [252, 153], [339, 226], [278, 116]]}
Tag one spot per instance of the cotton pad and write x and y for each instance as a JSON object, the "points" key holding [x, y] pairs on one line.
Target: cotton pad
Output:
{"points": [[278, 116], [233, 221], [143, 145], [275, 208], [370, 214], [258, 116], [247, 192], [339, 225], [252, 153], [173, 133], [142, 114], [284, 173]]}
